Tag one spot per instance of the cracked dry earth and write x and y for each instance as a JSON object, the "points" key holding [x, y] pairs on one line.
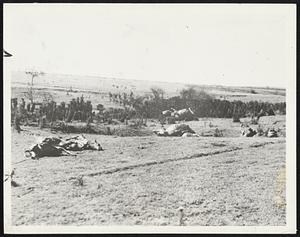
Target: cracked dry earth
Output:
{"points": [[144, 180]]}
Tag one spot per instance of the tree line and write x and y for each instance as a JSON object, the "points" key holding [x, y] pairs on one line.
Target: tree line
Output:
{"points": [[203, 104]]}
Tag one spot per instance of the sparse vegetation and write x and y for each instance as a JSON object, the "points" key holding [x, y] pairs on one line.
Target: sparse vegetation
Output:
{"points": [[79, 181], [218, 133]]}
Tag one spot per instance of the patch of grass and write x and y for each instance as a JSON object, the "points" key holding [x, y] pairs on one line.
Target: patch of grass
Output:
{"points": [[79, 181], [218, 133]]}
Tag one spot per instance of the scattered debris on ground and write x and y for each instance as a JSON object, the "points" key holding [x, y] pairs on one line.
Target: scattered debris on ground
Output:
{"points": [[11, 177]]}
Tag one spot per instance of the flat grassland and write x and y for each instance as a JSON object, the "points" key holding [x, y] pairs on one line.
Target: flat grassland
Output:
{"points": [[229, 180]]}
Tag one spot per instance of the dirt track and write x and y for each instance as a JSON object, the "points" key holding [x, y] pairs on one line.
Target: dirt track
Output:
{"points": [[144, 180]]}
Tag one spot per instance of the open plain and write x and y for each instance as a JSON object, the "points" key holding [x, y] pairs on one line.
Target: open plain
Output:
{"points": [[229, 180]]}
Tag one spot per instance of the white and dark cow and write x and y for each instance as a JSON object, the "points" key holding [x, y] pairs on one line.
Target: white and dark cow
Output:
{"points": [[48, 147], [184, 114], [79, 143], [272, 133], [53, 146], [249, 132], [168, 113]]}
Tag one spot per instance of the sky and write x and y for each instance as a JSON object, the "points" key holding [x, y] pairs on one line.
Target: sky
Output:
{"points": [[232, 44]]}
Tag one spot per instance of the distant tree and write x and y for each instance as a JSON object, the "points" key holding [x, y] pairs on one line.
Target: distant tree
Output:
{"points": [[188, 94], [202, 95], [192, 94], [33, 74], [158, 93]]}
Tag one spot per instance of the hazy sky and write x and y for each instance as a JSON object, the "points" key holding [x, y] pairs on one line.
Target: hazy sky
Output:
{"points": [[247, 45]]}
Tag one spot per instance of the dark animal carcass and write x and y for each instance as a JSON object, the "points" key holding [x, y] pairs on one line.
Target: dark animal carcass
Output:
{"points": [[249, 132], [272, 133], [48, 147], [53, 146]]}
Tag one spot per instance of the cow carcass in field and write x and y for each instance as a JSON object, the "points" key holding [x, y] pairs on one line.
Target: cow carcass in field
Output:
{"points": [[176, 130], [79, 143], [188, 134], [249, 132], [54, 146], [184, 114], [272, 133], [168, 113], [47, 147]]}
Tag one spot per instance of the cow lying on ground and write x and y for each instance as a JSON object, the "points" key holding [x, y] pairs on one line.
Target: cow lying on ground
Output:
{"points": [[167, 113], [53, 146], [249, 132], [79, 143], [176, 130], [188, 134], [272, 133], [183, 114], [45, 149]]}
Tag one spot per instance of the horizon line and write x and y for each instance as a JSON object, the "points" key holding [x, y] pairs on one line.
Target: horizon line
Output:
{"points": [[175, 82]]}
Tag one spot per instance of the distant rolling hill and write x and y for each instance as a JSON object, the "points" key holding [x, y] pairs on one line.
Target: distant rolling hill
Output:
{"points": [[97, 84], [90, 86]]}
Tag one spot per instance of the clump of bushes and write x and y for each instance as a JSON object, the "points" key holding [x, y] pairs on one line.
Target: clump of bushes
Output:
{"points": [[201, 102]]}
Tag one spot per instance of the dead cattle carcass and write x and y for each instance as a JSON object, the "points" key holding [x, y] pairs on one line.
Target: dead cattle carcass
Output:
{"points": [[48, 147], [176, 130], [53, 146], [249, 132], [272, 133], [79, 143], [184, 114], [167, 113], [188, 134]]}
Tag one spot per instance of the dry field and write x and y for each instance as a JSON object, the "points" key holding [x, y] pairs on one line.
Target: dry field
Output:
{"points": [[229, 180]]}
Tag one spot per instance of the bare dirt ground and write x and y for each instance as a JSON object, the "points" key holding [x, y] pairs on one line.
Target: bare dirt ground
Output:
{"points": [[228, 180]]}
